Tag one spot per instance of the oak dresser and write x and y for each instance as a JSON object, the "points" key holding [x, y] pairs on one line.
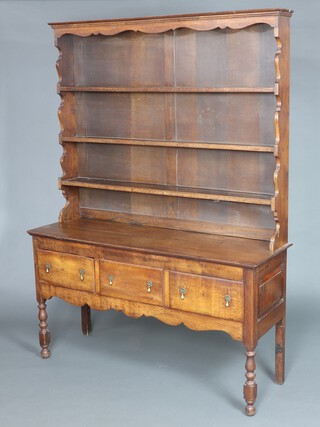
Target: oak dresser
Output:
{"points": [[175, 172]]}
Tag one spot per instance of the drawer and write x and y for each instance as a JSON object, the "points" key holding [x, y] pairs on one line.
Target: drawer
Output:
{"points": [[69, 271], [131, 282], [206, 295]]}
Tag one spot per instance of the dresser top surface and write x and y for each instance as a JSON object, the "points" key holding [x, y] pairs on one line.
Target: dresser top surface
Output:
{"points": [[161, 241]]}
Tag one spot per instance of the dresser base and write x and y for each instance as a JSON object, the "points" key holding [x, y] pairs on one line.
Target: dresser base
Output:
{"points": [[239, 292]]}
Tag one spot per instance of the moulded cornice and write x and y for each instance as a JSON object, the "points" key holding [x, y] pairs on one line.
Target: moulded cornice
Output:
{"points": [[160, 24]]}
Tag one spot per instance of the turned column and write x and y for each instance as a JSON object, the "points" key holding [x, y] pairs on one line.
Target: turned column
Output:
{"points": [[250, 337], [44, 334], [250, 386]]}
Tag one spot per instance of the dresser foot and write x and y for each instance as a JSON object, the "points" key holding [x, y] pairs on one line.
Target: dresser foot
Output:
{"points": [[86, 319], [250, 386], [280, 352], [44, 334]]}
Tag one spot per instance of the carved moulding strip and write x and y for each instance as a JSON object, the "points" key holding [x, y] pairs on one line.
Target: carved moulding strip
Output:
{"points": [[70, 210], [64, 210], [71, 207], [61, 106], [60, 117], [133, 309], [277, 113]]}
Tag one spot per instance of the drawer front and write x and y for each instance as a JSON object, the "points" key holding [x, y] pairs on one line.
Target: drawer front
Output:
{"points": [[68, 271], [130, 281], [206, 295]]}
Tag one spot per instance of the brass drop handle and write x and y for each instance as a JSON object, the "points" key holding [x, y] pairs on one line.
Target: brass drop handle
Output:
{"points": [[111, 278], [149, 285], [227, 300], [182, 292], [48, 266], [81, 271]]}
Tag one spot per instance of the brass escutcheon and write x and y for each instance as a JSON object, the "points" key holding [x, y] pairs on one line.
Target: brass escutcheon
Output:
{"points": [[48, 266], [227, 300], [81, 271], [149, 285], [182, 292], [110, 277]]}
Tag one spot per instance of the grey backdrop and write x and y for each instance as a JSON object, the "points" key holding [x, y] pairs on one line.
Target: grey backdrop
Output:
{"points": [[140, 372]]}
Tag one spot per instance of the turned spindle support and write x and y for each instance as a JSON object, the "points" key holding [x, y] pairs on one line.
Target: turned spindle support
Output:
{"points": [[86, 319], [280, 352], [250, 386], [44, 334]]}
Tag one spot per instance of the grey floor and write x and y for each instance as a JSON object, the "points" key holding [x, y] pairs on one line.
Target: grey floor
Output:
{"points": [[140, 372]]}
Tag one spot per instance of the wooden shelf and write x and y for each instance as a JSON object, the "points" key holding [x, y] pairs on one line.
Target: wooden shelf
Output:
{"points": [[166, 89], [167, 190], [174, 144]]}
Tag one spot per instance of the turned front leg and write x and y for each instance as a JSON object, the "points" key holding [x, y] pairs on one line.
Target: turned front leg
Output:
{"points": [[250, 386], [44, 334], [86, 319], [280, 352]]}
